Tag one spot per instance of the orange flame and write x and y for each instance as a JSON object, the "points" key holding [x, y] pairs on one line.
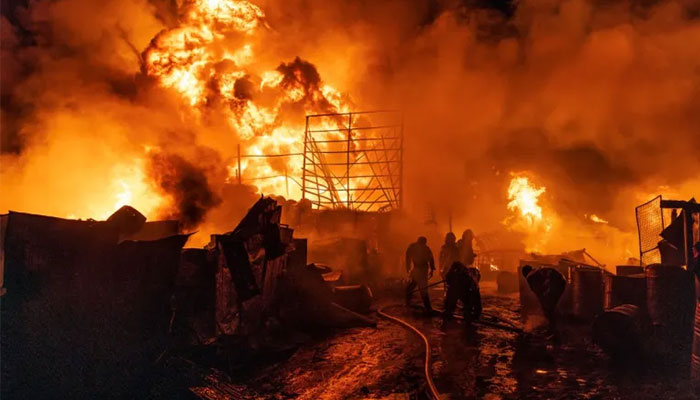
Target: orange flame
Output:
{"points": [[529, 216], [200, 62], [524, 197]]}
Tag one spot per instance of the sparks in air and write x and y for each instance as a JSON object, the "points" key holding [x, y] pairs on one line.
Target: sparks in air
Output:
{"points": [[523, 197]]}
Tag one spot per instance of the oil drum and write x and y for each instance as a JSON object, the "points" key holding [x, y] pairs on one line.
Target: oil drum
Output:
{"points": [[670, 295], [587, 289], [670, 303], [629, 289], [625, 270], [620, 331], [565, 305]]}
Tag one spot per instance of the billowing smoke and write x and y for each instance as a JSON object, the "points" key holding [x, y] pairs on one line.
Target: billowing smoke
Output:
{"points": [[596, 101], [187, 185], [599, 102]]}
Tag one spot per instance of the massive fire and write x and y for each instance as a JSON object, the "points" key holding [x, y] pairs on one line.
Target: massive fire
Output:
{"points": [[209, 60], [89, 87]]}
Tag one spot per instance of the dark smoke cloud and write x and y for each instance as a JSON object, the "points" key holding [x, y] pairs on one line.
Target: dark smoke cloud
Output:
{"points": [[301, 73], [187, 185]]}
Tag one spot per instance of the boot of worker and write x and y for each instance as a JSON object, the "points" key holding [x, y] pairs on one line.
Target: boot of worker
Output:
{"points": [[450, 305], [426, 304], [552, 333], [467, 309], [409, 291]]}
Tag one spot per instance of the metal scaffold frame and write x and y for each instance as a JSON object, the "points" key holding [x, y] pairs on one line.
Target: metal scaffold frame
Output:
{"points": [[354, 160]]}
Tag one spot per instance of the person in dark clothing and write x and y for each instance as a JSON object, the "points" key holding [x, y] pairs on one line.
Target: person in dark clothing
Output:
{"points": [[420, 266], [449, 253], [548, 284], [466, 249], [462, 286]]}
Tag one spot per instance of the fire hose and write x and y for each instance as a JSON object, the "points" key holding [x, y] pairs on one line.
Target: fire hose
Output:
{"points": [[429, 286], [500, 323], [432, 390]]}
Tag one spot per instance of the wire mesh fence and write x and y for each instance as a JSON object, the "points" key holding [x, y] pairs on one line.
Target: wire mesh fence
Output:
{"points": [[650, 224], [354, 160]]}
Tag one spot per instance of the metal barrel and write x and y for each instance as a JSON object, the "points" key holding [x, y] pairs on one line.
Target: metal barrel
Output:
{"points": [[625, 270], [670, 304], [695, 356], [507, 282], [670, 294], [620, 331], [565, 305], [587, 292], [631, 289]]}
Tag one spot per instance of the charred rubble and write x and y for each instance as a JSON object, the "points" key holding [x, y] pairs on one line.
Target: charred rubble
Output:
{"points": [[122, 309], [95, 308]]}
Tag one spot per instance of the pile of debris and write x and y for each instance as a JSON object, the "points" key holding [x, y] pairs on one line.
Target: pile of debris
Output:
{"points": [[89, 307], [249, 288]]}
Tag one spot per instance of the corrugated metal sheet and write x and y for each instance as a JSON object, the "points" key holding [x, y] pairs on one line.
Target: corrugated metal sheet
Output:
{"points": [[273, 270], [35, 243]]}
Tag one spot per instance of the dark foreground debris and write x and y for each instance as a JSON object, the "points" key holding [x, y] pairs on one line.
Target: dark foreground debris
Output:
{"points": [[98, 308]]}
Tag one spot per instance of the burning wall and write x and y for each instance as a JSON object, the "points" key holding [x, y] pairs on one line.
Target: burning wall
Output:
{"points": [[595, 102]]}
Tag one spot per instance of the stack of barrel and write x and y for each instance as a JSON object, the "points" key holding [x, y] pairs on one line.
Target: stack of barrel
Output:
{"points": [[628, 286], [670, 301], [587, 291], [648, 313], [637, 311], [621, 329]]}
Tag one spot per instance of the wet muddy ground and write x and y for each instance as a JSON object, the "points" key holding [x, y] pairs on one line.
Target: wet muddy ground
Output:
{"points": [[483, 363]]}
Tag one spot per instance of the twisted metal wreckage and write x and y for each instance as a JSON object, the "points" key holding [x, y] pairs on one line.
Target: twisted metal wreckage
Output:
{"points": [[89, 306]]}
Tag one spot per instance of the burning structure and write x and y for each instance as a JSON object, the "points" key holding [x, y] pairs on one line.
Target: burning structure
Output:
{"points": [[537, 121], [373, 161], [178, 88]]}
